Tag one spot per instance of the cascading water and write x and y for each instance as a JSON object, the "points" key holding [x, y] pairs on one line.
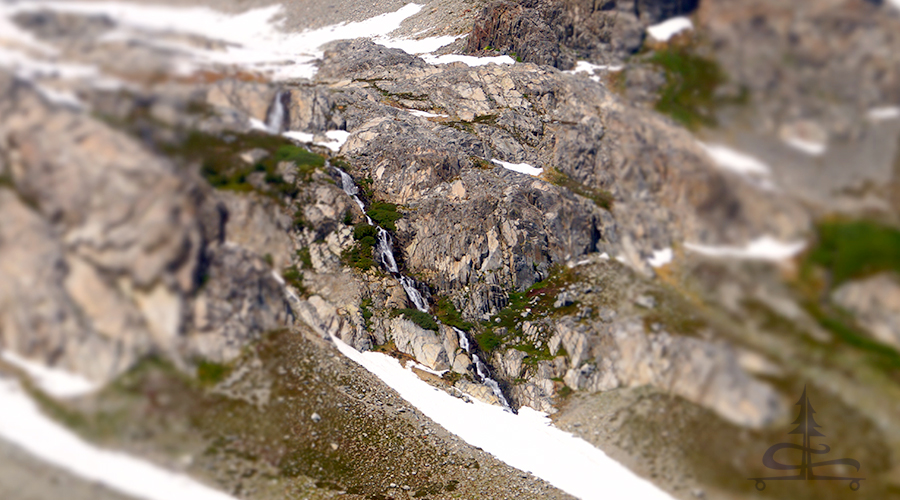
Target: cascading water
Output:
{"points": [[275, 117], [385, 251], [480, 368]]}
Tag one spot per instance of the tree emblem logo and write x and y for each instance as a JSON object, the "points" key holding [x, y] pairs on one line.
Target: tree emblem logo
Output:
{"points": [[806, 425]]}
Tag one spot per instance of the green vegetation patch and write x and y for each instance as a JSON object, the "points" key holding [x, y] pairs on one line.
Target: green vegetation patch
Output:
{"points": [[222, 166], [365, 308], [385, 215], [855, 249], [292, 276], [689, 95], [210, 373], [360, 255], [600, 197], [305, 258], [447, 313], [418, 317]]}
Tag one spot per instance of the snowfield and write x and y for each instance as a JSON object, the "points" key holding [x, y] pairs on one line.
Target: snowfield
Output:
{"points": [[22, 424], [527, 441]]}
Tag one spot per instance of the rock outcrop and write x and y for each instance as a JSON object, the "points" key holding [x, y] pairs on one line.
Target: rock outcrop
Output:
{"points": [[111, 253]]}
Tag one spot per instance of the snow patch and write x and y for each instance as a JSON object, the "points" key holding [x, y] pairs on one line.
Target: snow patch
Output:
{"points": [[415, 47], [468, 60], [884, 113], [590, 69], [253, 38], [425, 114], [811, 148], [22, 424], [298, 136], [661, 257], [565, 461], [665, 30], [735, 161], [522, 168], [336, 138], [763, 248], [55, 382]]}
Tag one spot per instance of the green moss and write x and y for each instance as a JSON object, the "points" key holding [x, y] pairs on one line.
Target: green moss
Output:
{"points": [[418, 317], [854, 249], [600, 197], [385, 215], [689, 95]]}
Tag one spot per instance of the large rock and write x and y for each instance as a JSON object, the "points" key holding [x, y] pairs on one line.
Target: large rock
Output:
{"points": [[424, 345], [875, 302], [111, 253]]}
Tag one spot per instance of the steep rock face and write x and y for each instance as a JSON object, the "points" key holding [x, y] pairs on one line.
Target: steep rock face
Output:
{"points": [[471, 221], [559, 32], [125, 241]]}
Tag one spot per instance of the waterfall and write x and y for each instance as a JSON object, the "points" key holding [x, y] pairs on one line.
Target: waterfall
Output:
{"points": [[481, 369], [276, 115], [410, 286], [385, 253]]}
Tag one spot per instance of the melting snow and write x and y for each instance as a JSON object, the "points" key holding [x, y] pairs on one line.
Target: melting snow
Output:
{"points": [[884, 113], [661, 257], [468, 60], [55, 382], [764, 248], [22, 424], [527, 441], [669, 28], [522, 168]]}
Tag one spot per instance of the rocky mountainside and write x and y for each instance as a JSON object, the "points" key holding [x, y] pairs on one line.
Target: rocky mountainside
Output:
{"points": [[660, 241]]}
